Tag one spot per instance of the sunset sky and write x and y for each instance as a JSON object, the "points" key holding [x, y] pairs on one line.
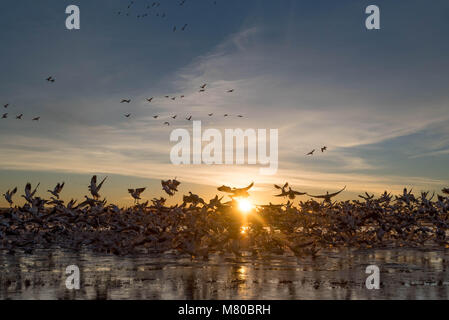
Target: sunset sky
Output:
{"points": [[379, 100]]}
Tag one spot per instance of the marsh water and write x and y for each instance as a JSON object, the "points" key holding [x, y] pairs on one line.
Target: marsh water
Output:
{"points": [[404, 274]]}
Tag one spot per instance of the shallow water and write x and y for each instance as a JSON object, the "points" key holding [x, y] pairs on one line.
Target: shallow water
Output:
{"points": [[405, 274]]}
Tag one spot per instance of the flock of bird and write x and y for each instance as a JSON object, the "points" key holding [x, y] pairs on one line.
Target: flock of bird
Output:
{"points": [[172, 117], [198, 228], [146, 10], [5, 115]]}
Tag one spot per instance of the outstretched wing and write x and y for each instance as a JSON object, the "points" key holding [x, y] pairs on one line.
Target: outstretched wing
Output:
{"points": [[299, 193], [248, 187], [130, 191], [140, 190], [337, 193], [99, 186]]}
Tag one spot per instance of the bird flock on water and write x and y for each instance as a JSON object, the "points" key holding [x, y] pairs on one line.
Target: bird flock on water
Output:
{"points": [[199, 228]]}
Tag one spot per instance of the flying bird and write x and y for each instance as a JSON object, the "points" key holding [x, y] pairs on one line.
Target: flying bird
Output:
{"points": [[5, 115], [290, 193], [170, 186], [57, 190], [6, 105], [135, 193], [167, 123], [28, 193], [36, 118], [50, 79], [236, 192], [125, 101], [323, 149], [150, 99], [210, 114], [94, 188], [155, 117], [184, 27], [327, 197], [230, 91], [174, 117], [9, 194], [310, 153], [19, 117], [203, 86], [189, 118], [127, 115]]}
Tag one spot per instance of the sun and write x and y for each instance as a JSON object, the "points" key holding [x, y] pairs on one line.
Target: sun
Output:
{"points": [[245, 205]]}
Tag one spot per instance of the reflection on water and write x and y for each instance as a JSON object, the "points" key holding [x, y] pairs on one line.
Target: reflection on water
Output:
{"points": [[405, 274]]}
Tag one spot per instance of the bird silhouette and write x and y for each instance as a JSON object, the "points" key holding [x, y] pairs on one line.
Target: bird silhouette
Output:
{"points": [[94, 188], [323, 149], [125, 101], [36, 118], [236, 192], [310, 153], [328, 196], [4, 116], [135, 193], [57, 190], [9, 194], [19, 117]]}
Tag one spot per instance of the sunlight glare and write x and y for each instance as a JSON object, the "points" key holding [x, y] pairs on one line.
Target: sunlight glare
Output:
{"points": [[245, 206]]}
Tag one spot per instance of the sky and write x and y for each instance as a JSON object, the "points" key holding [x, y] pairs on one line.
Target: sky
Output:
{"points": [[378, 99]]}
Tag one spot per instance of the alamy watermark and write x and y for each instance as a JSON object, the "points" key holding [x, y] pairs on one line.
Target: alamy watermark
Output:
{"points": [[231, 150]]}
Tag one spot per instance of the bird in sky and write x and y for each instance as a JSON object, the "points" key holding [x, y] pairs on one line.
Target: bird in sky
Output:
{"points": [[323, 149], [290, 193], [236, 192], [127, 115], [36, 118], [19, 117], [189, 118], [9, 194], [167, 123], [155, 117], [202, 90], [28, 193], [4, 116], [184, 27], [174, 117], [135, 193], [57, 190], [226, 115], [6, 105], [150, 99], [94, 188], [310, 153], [204, 86], [50, 79], [230, 91], [174, 98], [125, 101], [210, 114], [240, 116], [328, 196], [170, 186]]}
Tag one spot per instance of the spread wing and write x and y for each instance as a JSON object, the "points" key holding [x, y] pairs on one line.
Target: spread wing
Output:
{"points": [[140, 190], [337, 193], [299, 193], [248, 187]]}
